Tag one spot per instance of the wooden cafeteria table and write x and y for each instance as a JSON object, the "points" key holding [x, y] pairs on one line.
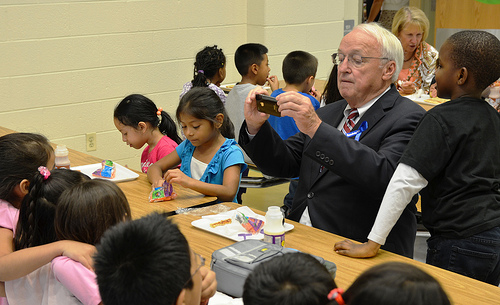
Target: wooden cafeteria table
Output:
{"points": [[460, 289], [137, 191]]}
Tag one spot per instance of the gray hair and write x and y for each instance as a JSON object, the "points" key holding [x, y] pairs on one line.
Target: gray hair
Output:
{"points": [[391, 46]]}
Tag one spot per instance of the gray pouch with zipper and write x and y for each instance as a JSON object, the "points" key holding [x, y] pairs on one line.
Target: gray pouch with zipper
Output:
{"points": [[233, 264]]}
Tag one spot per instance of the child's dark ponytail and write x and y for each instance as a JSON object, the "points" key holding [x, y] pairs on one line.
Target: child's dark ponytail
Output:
{"points": [[168, 127], [204, 104], [207, 65], [227, 128]]}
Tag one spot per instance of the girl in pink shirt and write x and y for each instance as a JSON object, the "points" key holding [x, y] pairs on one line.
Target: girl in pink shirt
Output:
{"points": [[140, 122]]}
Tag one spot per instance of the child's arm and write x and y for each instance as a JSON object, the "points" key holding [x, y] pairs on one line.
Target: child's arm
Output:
{"points": [[20, 263], [273, 82], [224, 192], [6, 241], [80, 281], [155, 171], [404, 184]]}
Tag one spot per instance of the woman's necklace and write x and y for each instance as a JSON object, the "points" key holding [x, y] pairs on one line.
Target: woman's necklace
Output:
{"points": [[407, 60]]}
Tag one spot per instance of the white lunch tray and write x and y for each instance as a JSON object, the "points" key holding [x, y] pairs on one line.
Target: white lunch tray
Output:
{"points": [[233, 230], [122, 173]]}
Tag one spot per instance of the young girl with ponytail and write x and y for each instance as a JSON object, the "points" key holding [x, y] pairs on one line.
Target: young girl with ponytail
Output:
{"points": [[212, 162], [140, 122], [209, 71]]}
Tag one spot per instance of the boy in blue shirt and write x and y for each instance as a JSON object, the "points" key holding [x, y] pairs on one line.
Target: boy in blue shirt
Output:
{"points": [[299, 72], [454, 158]]}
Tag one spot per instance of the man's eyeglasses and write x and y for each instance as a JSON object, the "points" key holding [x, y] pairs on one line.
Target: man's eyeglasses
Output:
{"points": [[201, 259], [355, 60]]}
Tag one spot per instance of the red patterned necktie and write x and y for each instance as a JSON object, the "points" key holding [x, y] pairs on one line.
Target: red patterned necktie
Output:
{"points": [[349, 123]]}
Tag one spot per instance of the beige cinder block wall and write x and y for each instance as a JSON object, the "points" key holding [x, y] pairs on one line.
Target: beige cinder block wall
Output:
{"points": [[64, 65]]}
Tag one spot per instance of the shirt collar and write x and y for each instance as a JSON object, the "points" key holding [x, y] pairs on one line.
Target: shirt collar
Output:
{"points": [[365, 107]]}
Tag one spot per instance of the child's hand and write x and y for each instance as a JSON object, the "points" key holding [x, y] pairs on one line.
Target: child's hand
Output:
{"points": [[79, 252], [433, 90], [176, 176], [273, 82], [208, 284], [158, 183], [348, 248], [315, 93]]}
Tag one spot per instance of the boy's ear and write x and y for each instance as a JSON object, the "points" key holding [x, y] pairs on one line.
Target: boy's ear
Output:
{"points": [[307, 84], [254, 69], [310, 80], [463, 74]]}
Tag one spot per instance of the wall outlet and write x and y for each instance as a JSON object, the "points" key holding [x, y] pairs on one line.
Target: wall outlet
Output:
{"points": [[91, 141]]}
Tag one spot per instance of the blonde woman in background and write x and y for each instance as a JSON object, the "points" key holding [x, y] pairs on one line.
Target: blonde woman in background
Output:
{"points": [[411, 26]]}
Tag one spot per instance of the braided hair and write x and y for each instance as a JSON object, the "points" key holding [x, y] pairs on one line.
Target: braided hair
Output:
{"points": [[36, 215], [207, 65]]}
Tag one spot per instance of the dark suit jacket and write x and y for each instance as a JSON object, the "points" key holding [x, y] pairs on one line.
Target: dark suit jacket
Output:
{"points": [[345, 196]]}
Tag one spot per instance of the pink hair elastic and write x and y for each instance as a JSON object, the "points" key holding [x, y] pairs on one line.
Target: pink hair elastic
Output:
{"points": [[336, 294], [44, 172]]}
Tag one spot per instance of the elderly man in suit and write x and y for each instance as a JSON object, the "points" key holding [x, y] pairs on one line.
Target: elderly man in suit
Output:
{"points": [[347, 151]]}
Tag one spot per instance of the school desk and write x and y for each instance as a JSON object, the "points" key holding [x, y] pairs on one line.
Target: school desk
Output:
{"points": [[461, 290]]}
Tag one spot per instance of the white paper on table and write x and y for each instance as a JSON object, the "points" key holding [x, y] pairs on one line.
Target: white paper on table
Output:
{"points": [[122, 173], [223, 299]]}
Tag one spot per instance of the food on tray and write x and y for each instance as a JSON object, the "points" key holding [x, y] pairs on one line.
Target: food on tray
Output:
{"points": [[162, 193], [107, 170], [252, 225], [436, 100], [221, 223]]}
